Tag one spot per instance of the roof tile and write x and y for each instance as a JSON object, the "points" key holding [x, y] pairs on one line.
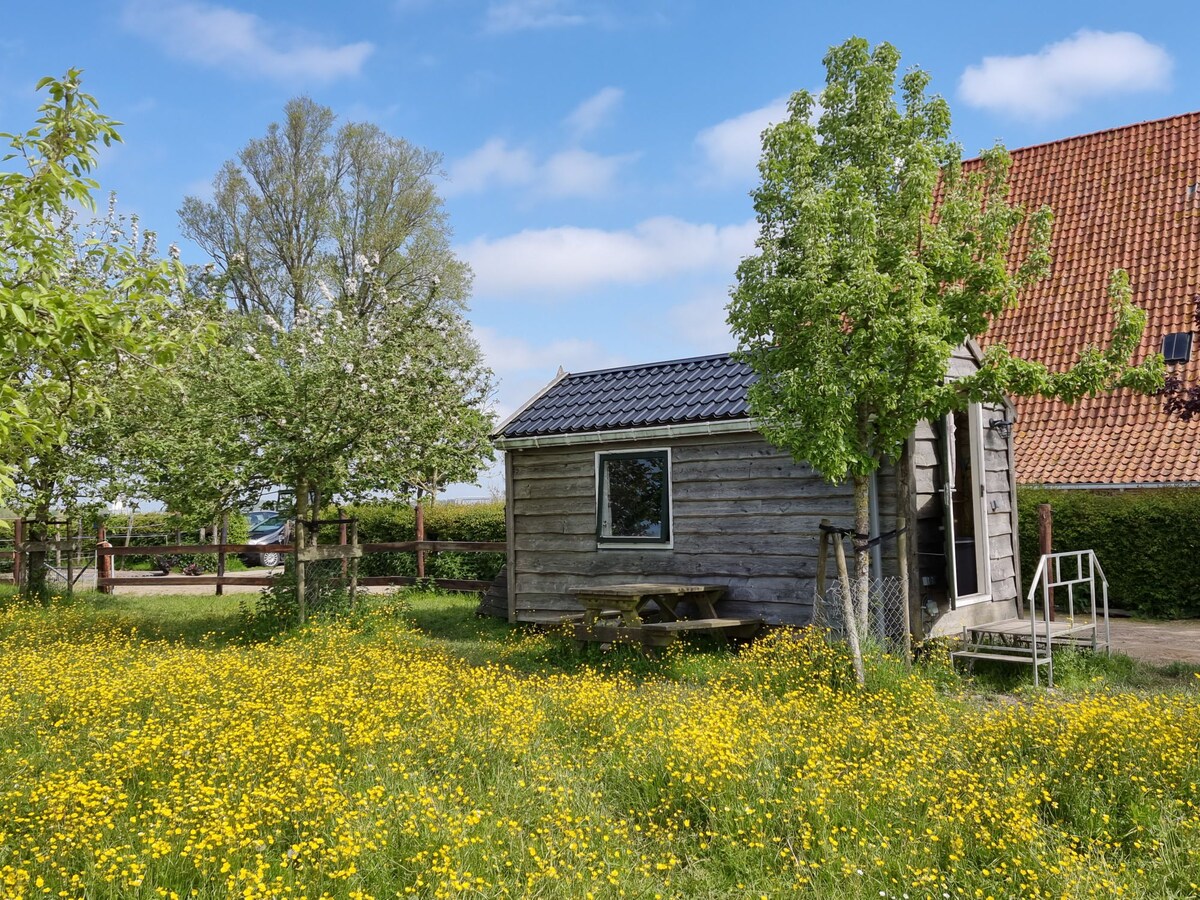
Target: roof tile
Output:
{"points": [[1120, 200]]}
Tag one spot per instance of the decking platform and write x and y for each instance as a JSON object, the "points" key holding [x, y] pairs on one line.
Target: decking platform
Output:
{"points": [[1031, 641]]}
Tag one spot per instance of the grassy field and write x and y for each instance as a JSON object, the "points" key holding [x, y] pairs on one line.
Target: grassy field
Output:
{"points": [[148, 749]]}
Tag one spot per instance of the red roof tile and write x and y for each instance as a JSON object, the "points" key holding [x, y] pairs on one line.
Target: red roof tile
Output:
{"points": [[1122, 198]]}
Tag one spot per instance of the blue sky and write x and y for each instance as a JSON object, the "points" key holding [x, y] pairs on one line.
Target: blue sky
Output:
{"points": [[598, 155]]}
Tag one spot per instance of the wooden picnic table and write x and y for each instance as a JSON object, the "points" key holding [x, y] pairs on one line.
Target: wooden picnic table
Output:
{"points": [[628, 602]]}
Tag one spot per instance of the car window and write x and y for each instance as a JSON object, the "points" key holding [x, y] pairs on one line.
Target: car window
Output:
{"points": [[268, 525]]}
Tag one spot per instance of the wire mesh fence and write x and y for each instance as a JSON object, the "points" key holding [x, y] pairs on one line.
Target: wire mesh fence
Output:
{"points": [[326, 585], [885, 612]]}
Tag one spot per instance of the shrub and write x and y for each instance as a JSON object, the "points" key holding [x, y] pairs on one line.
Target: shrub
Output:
{"points": [[382, 523], [1147, 541]]}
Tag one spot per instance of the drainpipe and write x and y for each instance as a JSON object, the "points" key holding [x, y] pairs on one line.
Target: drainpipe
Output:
{"points": [[873, 512]]}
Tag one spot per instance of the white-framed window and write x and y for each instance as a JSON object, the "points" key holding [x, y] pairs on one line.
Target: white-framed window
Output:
{"points": [[633, 498]]}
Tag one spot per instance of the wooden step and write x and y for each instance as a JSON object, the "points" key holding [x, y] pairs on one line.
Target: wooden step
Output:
{"points": [[999, 657]]}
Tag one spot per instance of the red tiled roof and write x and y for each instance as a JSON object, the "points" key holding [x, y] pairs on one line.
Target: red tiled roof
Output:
{"points": [[1124, 198]]}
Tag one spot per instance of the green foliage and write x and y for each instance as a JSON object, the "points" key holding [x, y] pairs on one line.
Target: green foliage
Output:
{"points": [[1148, 542], [77, 307], [346, 366], [878, 256], [380, 523]]}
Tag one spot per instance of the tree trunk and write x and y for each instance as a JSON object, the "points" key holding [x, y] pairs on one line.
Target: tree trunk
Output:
{"points": [[848, 614], [299, 542], [36, 582], [862, 553]]}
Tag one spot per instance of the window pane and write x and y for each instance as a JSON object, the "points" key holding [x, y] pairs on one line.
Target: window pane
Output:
{"points": [[634, 497]]}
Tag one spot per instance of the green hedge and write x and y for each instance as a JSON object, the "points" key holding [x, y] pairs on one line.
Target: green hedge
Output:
{"points": [[380, 523], [1148, 542]]}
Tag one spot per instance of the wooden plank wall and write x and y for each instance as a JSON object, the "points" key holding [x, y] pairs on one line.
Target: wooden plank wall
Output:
{"points": [[928, 478], [745, 515]]}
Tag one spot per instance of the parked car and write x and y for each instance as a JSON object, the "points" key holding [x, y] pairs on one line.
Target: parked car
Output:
{"points": [[274, 529]]}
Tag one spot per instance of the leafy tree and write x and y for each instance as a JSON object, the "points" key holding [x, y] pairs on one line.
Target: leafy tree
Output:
{"points": [[82, 308], [346, 365], [879, 255]]}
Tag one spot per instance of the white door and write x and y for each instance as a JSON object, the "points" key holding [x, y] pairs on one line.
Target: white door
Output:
{"points": [[964, 502]]}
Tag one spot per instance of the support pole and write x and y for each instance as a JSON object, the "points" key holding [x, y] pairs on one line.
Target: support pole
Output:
{"points": [[902, 559], [822, 562], [839, 553], [1046, 544]]}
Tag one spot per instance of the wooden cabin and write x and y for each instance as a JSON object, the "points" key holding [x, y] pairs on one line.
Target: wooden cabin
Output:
{"points": [[657, 473]]}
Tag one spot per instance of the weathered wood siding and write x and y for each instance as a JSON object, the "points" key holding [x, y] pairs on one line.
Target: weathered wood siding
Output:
{"points": [[929, 476], [745, 515]]}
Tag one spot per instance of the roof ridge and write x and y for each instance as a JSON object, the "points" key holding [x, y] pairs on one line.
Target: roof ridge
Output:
{"points": [[1092, 134], [631, 367]]}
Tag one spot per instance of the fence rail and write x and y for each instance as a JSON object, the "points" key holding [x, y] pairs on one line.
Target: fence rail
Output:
{"points": [[107, 580]]}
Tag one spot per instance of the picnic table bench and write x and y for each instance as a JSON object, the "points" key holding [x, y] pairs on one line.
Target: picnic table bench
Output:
{"points": [[615, 612]]}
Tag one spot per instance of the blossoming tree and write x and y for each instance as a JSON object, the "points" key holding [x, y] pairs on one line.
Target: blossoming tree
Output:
{"points": [[86, 310], [346, 365]]}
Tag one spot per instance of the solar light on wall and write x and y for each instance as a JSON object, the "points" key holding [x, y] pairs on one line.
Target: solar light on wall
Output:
{"points": [[1001, 426]]}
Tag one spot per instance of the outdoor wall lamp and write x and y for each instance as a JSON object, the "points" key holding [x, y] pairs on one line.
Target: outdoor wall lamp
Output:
{"points": [[1002, 426]]}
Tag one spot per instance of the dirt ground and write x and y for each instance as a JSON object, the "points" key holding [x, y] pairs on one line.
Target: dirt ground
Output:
{"points": [[1158, 642]]}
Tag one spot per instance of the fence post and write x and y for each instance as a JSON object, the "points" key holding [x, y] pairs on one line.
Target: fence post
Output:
{"points": [[420, 537], [222, 539], [353, 564], [18, 552], [1046, 542], [104, 564], [70, 541], [342, 542]]}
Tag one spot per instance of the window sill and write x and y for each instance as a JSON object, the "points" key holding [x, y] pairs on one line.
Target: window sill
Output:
{"points": [[971, 600], [635, 545]]}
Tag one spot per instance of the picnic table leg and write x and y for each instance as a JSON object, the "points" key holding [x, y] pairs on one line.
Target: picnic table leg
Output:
{"points": [[706, 603]]}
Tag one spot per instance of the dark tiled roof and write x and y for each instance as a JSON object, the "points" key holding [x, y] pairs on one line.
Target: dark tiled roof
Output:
{"points": [[701, 389], [1124, 198]]}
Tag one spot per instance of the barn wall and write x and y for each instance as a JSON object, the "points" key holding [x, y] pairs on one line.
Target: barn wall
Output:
{"points": [[745, 515]]}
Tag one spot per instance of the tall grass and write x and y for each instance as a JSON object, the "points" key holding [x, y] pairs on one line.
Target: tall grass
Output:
{"points": [[414, 751]]}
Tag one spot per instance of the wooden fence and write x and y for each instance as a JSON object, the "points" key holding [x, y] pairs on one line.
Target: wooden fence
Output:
{"points": [[106, 580]]}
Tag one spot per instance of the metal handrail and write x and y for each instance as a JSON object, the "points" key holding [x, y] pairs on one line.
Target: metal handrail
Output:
{"points": [[1092, 568]]}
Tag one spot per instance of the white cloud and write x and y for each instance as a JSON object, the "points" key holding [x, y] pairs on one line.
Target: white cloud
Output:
{"points": [[732, 148], [569, 173], [508, 354], [594, 112], [1055, 80], [524, 15], [229, 39], [569, 260], [580, 173], [494, 163], [701, 322]]}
